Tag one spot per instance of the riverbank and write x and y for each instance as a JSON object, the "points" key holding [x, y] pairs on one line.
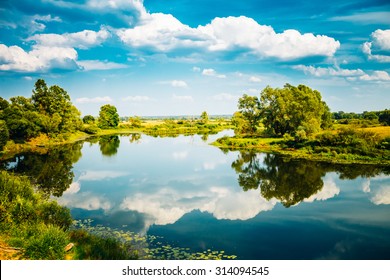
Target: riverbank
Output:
{"points": [[362, 146], [155, 128]]}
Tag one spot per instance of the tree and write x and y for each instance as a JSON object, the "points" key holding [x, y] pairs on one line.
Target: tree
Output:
{"points": [[249, 108], [384, 117], [298, 111], [135, 121], [4, 134], [204, 117], [88, 119], [56, 110], [108, 117]]}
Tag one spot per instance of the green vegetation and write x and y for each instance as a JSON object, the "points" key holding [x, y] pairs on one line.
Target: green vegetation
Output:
{"points": [[108, 117], [296, 122]]}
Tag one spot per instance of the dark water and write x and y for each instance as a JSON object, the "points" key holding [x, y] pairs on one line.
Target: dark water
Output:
{"points": [[255, 206]]}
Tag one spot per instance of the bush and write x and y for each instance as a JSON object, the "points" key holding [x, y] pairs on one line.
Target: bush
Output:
{"points": [[47, 243], [91, 129]]}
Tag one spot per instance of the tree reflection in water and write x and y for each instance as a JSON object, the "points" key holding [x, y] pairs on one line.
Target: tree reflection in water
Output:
{"points": [[109, 145], [288, 180], [51, 172]]}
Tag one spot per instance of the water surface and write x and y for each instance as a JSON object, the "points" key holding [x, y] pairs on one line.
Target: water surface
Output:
{"points": [[193, 195]]}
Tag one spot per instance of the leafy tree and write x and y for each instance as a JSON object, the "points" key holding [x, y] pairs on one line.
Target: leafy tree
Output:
{"points": [[56, 110], [88, 119], [108, 117], [3, 104], [298, 111], [22, 120], [249, 108], [204, 117], [4, 134]]}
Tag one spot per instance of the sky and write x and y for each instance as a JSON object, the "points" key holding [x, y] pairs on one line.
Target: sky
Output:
{"points": [[183, 57]]}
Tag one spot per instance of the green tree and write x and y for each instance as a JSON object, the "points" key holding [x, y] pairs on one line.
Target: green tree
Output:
{"points": [[22, 120], [298, 111], [249, 108], [108, 117], [384, 117], [88, 119], [204, 117], [57, 112], [4, 134]]}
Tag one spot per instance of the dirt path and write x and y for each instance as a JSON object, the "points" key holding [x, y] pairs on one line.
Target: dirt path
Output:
{"points": [[7, 252]]}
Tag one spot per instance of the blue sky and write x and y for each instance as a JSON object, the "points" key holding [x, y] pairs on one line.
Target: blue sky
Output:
{"points": [[182, 57]]}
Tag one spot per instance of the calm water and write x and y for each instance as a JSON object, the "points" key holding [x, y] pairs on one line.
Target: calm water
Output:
{"points": [[255, 206]]}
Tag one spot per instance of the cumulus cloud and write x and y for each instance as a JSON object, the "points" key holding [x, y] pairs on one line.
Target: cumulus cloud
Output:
{"points": [[212, 73], [97, 99], [83, 40], [39, 59], [376, 76], [163, 32], [379, 44], [382, 196], [86, 200]]}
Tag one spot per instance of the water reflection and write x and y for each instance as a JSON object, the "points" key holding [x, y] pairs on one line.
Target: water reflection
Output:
{"points": [[188, 191], [292, 181], [109, 145], [51, 172]]}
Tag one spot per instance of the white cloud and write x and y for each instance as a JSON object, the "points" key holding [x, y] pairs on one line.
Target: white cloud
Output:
{"points": [[165, 33], [137, 98], [86, 200], [83, 40], [212, 73], [183, 97], [225, 97], [255, 79], [382, 196], [97, 99], [329, 190], [380, 42], [100, 65], [376, 76], [39, 59], [329, 71], [366, 186], [179, 84], [196, 69]]}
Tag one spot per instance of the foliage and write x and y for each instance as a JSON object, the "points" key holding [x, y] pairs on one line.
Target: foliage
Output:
{"points": [[135, 121], [384, 117], [298, 111], [95, 247], [250, 112], [50, 172], [204, 117], [132, 245], [48, 111], [32, 222], [108, 117], [88, 119], [4, 134], [91, 129]]}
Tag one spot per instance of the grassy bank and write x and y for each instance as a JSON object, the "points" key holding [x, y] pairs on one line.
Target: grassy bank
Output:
{"points": [[34, 227], [343, 145]]}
